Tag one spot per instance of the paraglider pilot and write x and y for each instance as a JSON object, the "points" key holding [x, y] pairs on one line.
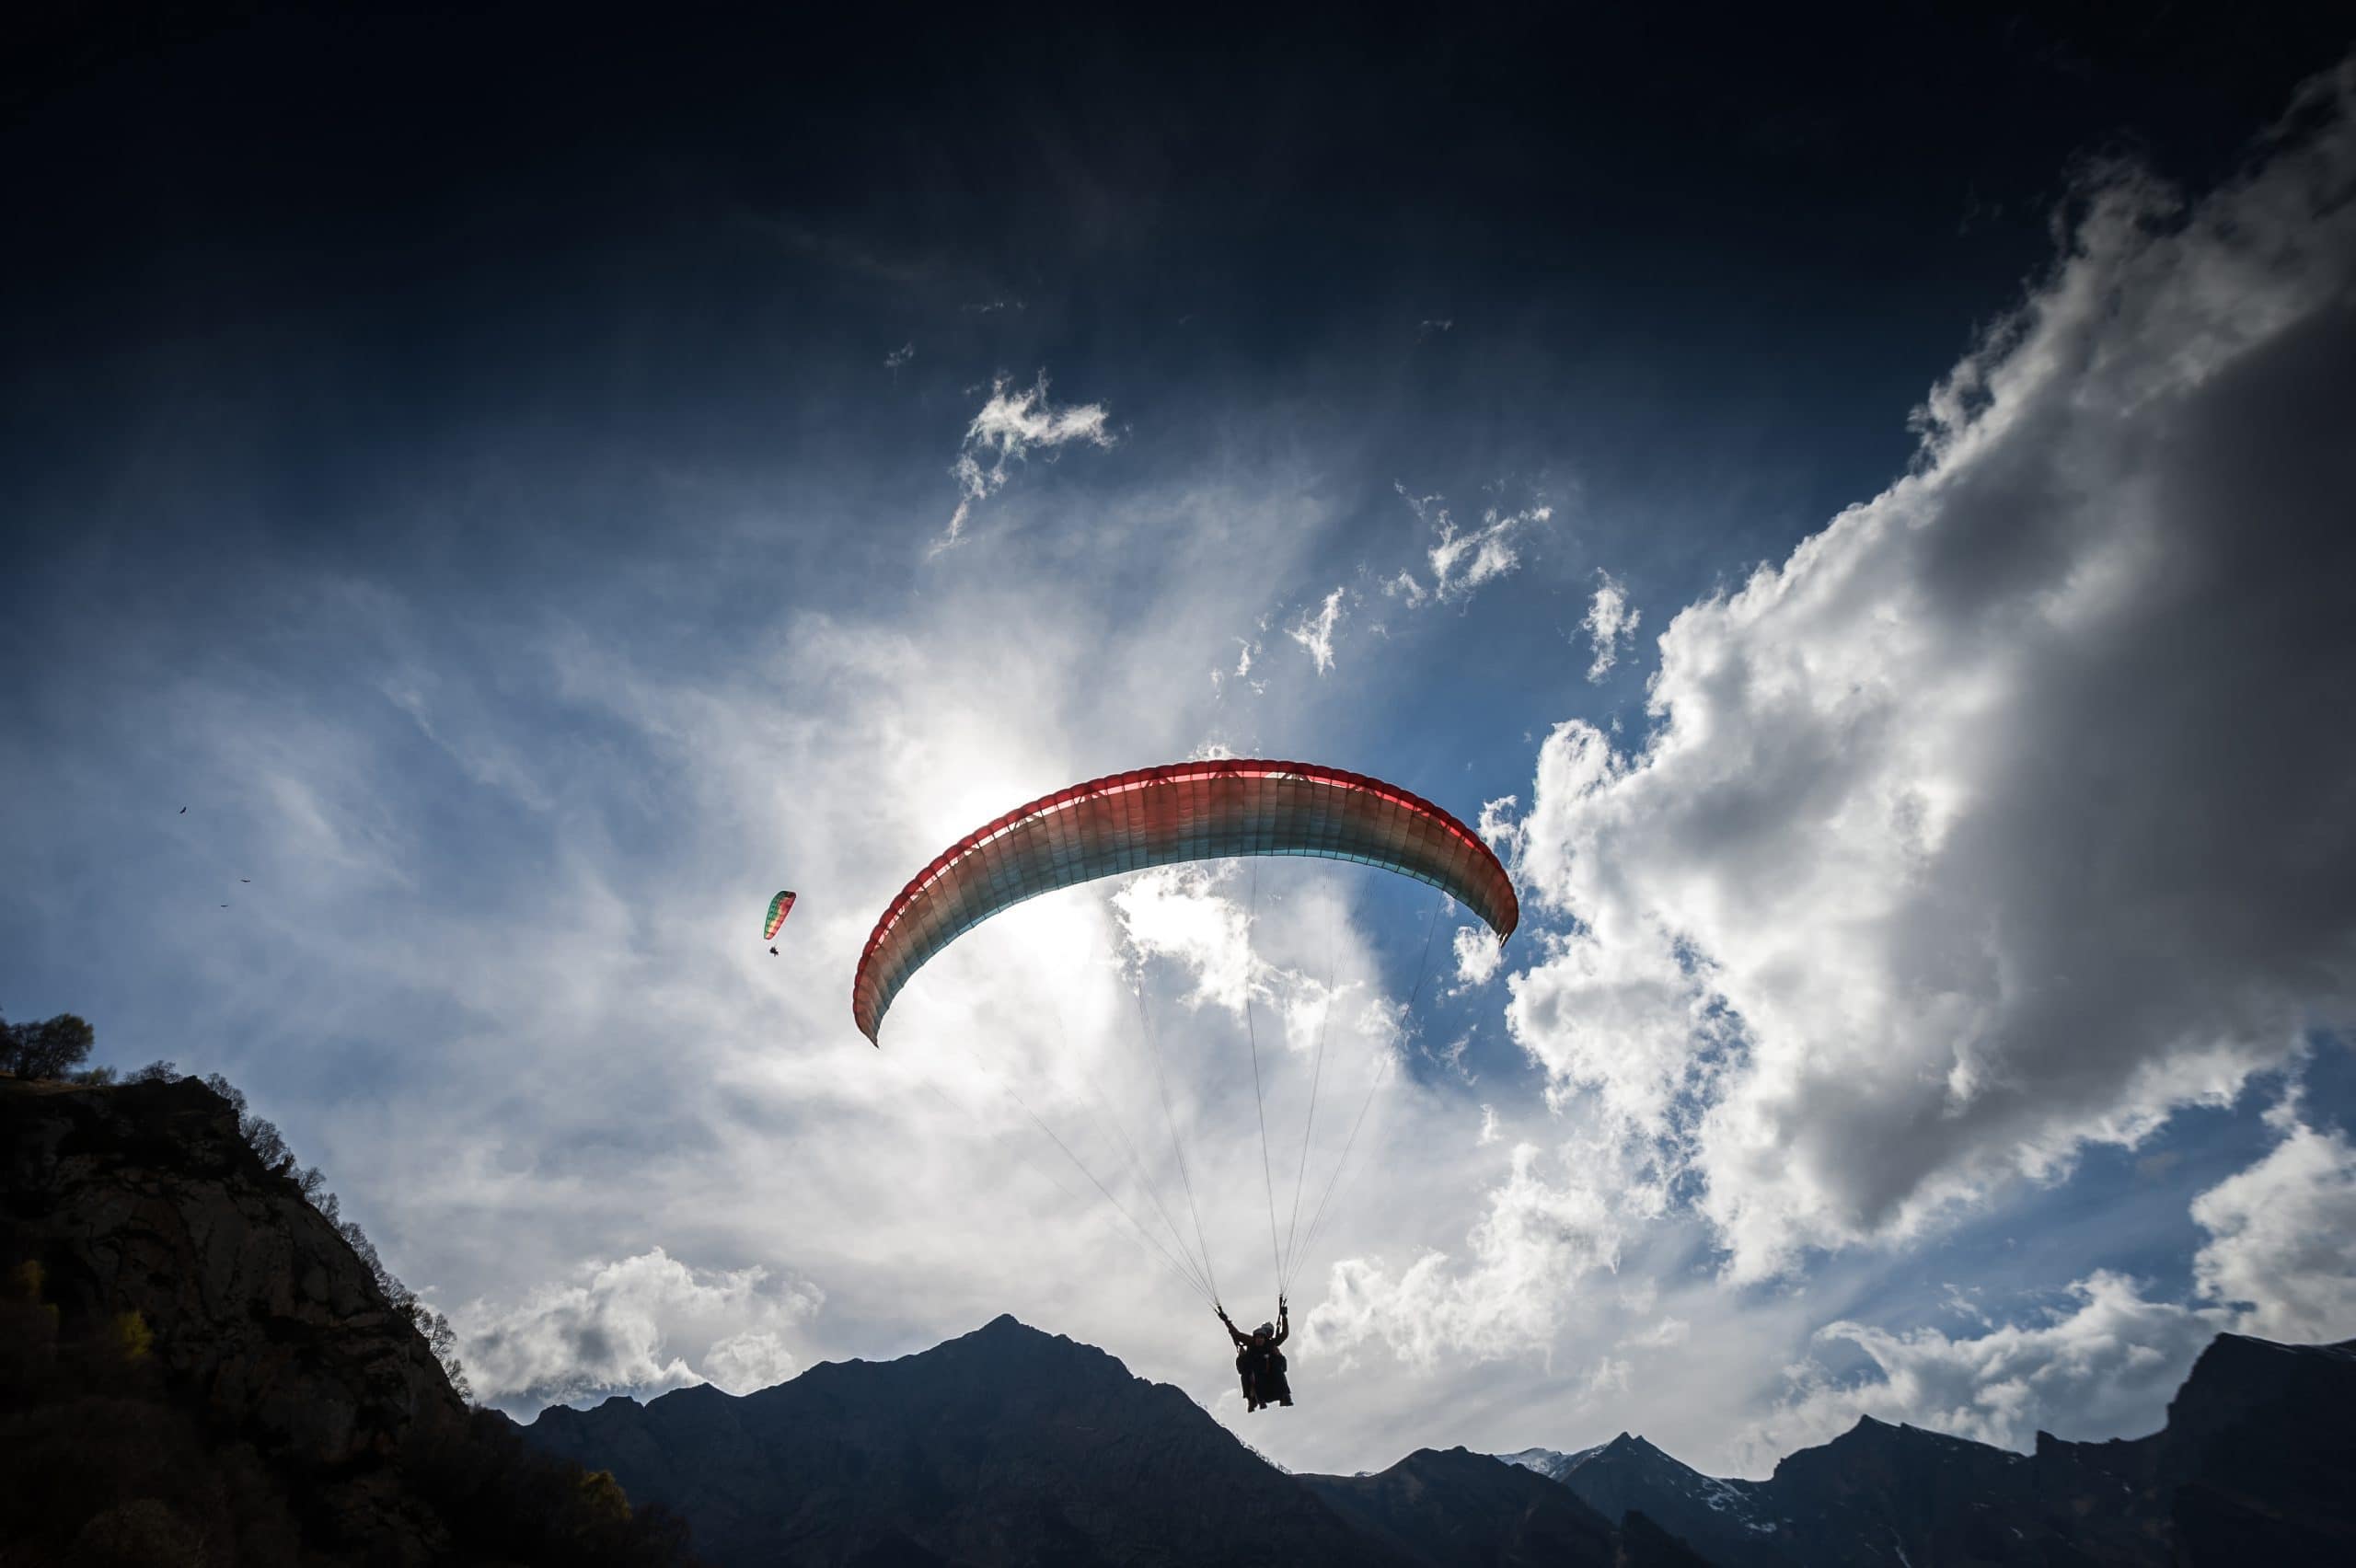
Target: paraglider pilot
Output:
{"points": [[1259, 1362]]}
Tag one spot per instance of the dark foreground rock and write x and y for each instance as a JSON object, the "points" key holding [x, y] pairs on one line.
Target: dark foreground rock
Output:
{"points": [[197, 1368]]}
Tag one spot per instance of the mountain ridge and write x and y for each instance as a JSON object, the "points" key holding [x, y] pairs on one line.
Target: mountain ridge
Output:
{"points": [[2179, 1496], [2254, 1452]]}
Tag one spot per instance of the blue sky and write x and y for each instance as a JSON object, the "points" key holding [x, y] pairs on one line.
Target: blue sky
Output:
{"points": [[522, 537]]}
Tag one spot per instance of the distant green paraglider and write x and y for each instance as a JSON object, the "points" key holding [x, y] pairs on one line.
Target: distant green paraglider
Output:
{"points": [[779, 908]]}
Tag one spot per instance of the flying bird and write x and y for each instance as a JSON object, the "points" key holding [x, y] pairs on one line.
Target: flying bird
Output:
{"points": [[183, 811]]}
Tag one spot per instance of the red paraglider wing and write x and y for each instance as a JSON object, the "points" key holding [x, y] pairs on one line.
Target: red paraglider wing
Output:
{"points": [[1189, 811]]}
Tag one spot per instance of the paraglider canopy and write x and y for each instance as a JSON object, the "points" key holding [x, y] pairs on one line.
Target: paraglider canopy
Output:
{"points": [[1157, 816], [779, 908]]}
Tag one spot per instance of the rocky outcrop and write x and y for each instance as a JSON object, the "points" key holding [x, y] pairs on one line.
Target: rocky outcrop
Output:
{"points": [[144, 1198], [197, 1370], [2255, 1461]]}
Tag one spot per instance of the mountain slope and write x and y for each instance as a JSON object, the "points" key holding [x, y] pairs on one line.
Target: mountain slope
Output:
{"points": [[1729, 1521], [1453, 1507]]}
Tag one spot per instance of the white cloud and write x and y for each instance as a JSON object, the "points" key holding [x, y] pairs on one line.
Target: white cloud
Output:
{"points": [[1609, 623], [1499, 828], [1663, 1335], [755, 1359], [2105, 1365], [1999, 818], [1478, 954], [1013, 424], [2280, 1263], [1315, 632], [2282, 1240], [1175, 912], [1462, 561], [632, 1327], [899, 356], [1528, 1254]]}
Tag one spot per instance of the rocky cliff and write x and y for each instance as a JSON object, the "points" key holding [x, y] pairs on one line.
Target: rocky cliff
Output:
{"points": [[199, 1369]]}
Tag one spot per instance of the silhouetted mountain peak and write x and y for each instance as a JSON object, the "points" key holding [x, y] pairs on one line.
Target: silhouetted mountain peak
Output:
{"points": [[1628, 1445], [1453, 1505], [1872, 1436], [1006, 1444]]}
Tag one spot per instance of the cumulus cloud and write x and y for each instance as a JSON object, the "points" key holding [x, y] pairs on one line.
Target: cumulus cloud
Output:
{"points": [[1175, 913], [2282, 1240], [1315, 632], [632, 1327], [1499, 828], [2106, 1363], [1013, 424], [2002, 816], [1609, 624], [1478, 955], [1538, 1239], [757, 1358]]}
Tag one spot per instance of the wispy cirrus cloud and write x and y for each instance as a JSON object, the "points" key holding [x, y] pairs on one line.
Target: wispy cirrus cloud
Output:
{"points": [[1463, 558], [1014, 422], [1314, 631], [1611, 623]]}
